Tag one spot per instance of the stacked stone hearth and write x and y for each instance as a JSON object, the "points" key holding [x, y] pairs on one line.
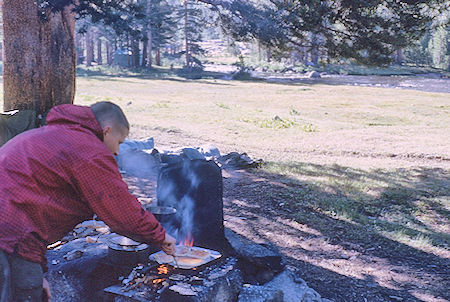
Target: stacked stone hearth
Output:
{"points": [[246, 272]]}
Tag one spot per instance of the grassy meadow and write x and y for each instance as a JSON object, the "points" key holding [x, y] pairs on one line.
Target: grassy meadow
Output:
{"points": [[374, 157]]}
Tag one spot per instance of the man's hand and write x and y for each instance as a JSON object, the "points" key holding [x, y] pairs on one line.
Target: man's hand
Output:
{"points": [[168, 245], [46, 288]]}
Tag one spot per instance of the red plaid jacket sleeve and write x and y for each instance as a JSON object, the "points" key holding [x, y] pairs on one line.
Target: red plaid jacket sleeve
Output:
{"points": [[102, 187]]}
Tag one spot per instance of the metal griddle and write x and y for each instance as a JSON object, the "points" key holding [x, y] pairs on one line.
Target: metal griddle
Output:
{"points": [[213, 255]]}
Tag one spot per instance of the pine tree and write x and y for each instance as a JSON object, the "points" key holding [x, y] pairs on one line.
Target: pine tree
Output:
{"points": [[437, 47], [191, 17], [159, 27], [367, 31]]}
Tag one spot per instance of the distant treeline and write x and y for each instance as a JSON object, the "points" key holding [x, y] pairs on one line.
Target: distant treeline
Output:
{"points": [[143, 33]]}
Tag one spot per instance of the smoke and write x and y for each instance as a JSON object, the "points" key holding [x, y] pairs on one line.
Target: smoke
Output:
{"points": [[180, 196], [138, 159]]}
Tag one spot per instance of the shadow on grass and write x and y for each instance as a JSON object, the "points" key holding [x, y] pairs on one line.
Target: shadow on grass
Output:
{"points": [[347, 216], [104, 73], [390, 200], [175, 74]]}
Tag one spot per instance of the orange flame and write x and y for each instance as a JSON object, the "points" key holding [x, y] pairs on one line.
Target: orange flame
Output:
{"points": [[162, 270], [156, 281], [189, 240]]}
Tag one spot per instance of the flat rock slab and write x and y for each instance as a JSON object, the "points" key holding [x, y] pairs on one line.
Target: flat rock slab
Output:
{"points": [[79, 271], [259, 261], [254, 293], [221, 283], [288, 282]]}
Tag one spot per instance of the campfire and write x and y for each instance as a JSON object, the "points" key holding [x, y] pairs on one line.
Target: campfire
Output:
{"points": [[179, 272], [152, 278], [204, 267]]}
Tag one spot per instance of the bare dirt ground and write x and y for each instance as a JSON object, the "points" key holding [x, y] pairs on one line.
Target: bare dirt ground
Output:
{"points": [[365, 212], [333, 261], [339, 259]]}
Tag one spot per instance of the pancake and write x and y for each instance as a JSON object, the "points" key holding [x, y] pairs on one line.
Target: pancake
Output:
{"points": [[199, 253], [188, 261], [162, 258]]}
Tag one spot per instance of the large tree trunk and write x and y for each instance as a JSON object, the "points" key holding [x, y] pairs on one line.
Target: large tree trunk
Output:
{"points": [[39, 56], [314, 50], [149, 36], [109, 53], [79, 48], [186, 36], [144, 53], [135, 53], [158, 57], [89, 47], [99, 50], [399, 57], [149, 47]]}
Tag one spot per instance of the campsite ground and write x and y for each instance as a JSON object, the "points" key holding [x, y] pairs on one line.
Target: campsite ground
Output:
{"points": [[355, 185], [355, 189]]}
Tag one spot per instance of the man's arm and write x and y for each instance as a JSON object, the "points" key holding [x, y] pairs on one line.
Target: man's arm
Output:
{"points": [[101, 186]]}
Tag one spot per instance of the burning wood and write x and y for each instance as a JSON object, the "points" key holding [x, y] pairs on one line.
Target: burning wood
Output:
{"points": [[153, 281], [166, 283], [163, 269], [144, 277], [156, 281]]}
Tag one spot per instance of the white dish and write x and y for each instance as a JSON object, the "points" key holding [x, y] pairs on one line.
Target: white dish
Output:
{"points": [[188, 261]]}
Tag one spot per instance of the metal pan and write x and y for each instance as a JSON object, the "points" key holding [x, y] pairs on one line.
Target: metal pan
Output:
{"points": [[161, 212], [125, 251], [185, 262]]}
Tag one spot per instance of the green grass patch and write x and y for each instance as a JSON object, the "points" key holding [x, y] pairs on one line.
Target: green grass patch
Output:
{"points": [[275, 123], [391, 203], [223, 106]]}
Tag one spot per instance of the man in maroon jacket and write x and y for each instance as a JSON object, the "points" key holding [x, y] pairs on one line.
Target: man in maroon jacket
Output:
{"points": [[53, 178]]}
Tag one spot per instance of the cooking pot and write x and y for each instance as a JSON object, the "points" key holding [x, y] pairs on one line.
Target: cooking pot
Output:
{"points": [[125, 251], [161, 212]]}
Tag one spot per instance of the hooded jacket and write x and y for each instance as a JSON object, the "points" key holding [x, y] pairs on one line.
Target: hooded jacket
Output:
{"points": [[56, 176]]}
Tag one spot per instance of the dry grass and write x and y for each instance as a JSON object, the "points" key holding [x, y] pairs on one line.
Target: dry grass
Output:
{"points": [[379, 156], [279, 122], [365, 166]]}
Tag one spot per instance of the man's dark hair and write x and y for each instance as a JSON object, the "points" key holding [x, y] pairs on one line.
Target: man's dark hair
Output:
{"points": [[108, 112]]}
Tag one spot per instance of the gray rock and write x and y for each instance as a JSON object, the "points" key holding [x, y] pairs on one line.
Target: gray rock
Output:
{"points": [[15, 122], [209, 151], [313, 75], [312, 296], [293, 287], [82, 278], [191, 153], [224, 285], [195, 189], [254, 293], [260, 261], [286, 287], [236, 160]]}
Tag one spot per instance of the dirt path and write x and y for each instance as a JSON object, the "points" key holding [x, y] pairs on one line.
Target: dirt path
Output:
{"points": [[340, 260], [335, 262]]}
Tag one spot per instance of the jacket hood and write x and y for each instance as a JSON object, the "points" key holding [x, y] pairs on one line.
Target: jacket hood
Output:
{"points": [[74, 115]]}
